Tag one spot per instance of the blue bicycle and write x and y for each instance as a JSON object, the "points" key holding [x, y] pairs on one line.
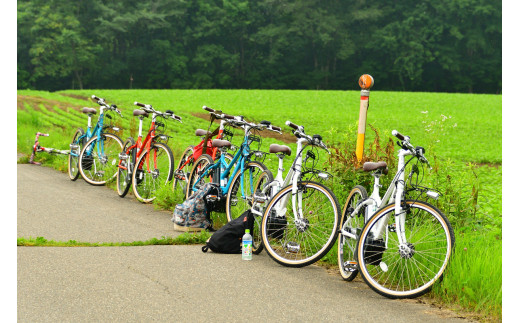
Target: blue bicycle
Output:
{"points": [[94, 153], [234, 179]]}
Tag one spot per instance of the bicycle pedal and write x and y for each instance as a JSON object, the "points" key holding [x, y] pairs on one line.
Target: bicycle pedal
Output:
{"points": [[260, 198], [211, 198]]}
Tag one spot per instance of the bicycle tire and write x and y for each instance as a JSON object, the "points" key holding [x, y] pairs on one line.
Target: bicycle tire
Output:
{"points": [[236, 205], [200, 165], [298, 244], [414, 263], [125, 168], [347, 246], [73, 160], [182, 172], [98, 170], [145, 180]]}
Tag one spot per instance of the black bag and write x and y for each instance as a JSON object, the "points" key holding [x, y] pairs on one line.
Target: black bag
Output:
{"points": [[228, 238]]}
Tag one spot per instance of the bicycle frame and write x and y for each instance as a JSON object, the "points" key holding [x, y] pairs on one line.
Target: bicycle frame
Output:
{"points": [[292, 178], [97, 131], [214, 152], [222, 168], [144, 145], [374, 202]]}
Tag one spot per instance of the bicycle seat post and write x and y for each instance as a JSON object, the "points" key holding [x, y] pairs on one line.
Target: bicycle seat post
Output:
{"points": [[140, 133]]}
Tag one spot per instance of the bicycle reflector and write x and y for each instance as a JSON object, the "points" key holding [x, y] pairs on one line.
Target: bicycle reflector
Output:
{"points": [[366, 82]]}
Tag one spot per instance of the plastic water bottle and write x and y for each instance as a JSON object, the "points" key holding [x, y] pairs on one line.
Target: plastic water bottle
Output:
{"points": [[247, 246]]}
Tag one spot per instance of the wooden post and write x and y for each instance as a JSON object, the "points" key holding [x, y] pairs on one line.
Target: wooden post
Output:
{"points": [[365, 82]]}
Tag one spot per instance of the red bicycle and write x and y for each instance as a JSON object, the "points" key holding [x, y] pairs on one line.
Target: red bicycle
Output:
{"points": [[147, 164], [38, 148], [190, 155]]}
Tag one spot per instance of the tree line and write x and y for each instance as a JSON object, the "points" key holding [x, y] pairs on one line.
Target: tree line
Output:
{"points": [[407, 45]]}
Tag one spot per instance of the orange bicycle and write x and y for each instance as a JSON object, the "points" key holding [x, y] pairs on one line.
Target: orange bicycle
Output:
{"points": [[147, 164]]}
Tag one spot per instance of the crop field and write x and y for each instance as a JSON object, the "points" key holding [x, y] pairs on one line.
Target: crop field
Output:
{"points": [[462, 131]]}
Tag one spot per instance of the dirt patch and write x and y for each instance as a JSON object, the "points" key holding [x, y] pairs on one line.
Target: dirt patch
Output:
{"points": [[75, 96], [494, 165], [286, 137], [35, 101]]}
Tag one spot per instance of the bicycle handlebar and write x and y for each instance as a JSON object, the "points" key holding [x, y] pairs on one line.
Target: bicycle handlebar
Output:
{"points": [[416, 151], [208, 109], [315, 140], [292, 125]]}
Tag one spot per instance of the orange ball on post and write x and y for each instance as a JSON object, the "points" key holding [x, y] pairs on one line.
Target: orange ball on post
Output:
{"points": [[366, 81]]}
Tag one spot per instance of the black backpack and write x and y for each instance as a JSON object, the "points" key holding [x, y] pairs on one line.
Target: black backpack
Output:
{"points": [[228, 238]]}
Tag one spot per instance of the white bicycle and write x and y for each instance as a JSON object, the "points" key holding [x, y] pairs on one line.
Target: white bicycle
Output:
{"points": [[401, 249], [299, 218]]}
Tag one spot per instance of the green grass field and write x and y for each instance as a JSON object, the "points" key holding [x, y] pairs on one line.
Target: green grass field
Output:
{"points": [[464, 131]]}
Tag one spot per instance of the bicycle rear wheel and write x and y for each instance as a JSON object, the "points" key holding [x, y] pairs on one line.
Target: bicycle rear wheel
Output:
{"points": [[352, 224], [125, 167], [99, 158], [183, 171], [75, 149], [410, 269], [153, 170], [297, 240]]}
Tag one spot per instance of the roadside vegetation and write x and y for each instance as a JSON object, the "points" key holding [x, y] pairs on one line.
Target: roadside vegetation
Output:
{"points": [[466, 170]]}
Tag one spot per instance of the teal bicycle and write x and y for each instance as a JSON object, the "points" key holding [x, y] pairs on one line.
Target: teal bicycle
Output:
{"points": [[98, 149], [233, 179]]}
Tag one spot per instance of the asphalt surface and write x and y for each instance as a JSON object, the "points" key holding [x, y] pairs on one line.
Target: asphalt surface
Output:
{"points": [[166, 283]]}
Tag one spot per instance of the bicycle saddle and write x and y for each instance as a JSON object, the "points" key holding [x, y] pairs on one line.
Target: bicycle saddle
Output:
{"points": [[221, 143], [370, 166], [201, 132], [88, 110], [139, 112], [274, 148]]}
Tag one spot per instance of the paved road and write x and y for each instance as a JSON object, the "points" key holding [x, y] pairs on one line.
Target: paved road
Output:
{"points": [[166, 283]]}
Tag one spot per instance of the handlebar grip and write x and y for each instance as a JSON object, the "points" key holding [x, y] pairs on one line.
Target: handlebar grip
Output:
{"points": [[139, 104], [292, 125], [95, 97], [276, 128], [228, 116], [397, 134], [208, 109]]}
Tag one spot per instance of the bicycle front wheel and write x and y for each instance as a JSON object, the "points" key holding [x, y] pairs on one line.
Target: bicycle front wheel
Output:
{"points": [[351, 224], [99, 158], [197, 177], [298, 230], [153, 170], [183, 171], [407, 269], [240, 197], [125, 167], [75, 149]]}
